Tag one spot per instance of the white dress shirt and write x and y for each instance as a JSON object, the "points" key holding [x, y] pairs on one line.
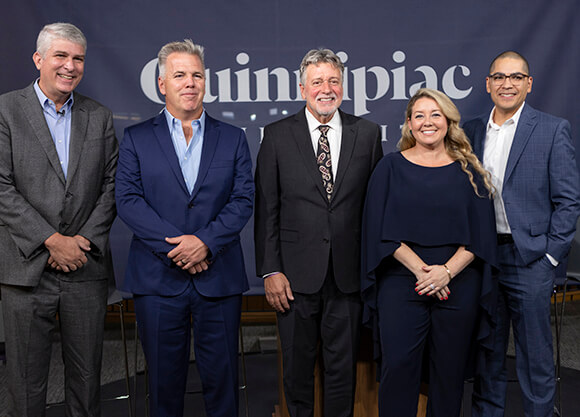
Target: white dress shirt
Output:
{"points": [[334, 136], [498, 142]]}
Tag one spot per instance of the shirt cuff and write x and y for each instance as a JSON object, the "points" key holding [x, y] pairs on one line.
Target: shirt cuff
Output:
{"points": [[270, 274], [552, 260]]}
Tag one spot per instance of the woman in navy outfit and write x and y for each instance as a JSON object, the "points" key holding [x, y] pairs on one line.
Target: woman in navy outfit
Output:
{"points": [[428, 253]]}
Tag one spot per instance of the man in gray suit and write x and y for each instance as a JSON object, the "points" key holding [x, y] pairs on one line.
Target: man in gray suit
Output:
{"points": [[58, 155]]}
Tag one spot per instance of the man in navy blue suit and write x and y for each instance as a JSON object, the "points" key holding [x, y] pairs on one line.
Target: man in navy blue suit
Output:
{"points": [[185, 189], [530, 156]]}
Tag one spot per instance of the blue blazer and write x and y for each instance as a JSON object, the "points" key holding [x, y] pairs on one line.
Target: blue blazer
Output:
{"points": [[541, 188], [153, 200]]}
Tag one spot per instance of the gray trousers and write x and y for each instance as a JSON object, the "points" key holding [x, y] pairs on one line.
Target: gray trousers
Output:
{"points": [[30, 319]]}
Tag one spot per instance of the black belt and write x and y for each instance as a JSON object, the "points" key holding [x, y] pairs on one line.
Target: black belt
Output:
{"points": [[504, 238]]}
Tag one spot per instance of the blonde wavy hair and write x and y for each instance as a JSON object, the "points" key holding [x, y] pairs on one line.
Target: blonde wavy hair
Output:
{"points": [[457, 145]]}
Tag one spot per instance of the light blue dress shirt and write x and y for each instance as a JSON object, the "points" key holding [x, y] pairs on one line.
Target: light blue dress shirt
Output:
{"points": [[188, 154], [58, 124]]}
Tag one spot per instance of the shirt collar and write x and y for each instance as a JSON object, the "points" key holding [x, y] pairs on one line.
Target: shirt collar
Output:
{"points": [[45, 101], [313, 124], [515, 118], [172, 121]]}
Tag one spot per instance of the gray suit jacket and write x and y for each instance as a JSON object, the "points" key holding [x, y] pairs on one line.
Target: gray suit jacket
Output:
{"points": [[36, 200]]}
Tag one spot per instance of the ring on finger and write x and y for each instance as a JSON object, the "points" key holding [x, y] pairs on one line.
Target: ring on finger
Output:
{"points": [[432, 286]]}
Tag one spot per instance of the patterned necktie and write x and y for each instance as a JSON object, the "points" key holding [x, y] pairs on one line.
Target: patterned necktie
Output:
{"points": [[324, 162]]}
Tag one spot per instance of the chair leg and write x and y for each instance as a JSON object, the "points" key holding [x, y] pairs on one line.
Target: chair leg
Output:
{"points": [[146, 373], [244, 385], [558, 318], [125, 357], [136, 343], [146, 390]]}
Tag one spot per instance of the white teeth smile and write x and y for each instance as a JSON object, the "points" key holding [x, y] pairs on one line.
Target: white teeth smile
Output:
{"points": [[66, 77], [428, 132]]}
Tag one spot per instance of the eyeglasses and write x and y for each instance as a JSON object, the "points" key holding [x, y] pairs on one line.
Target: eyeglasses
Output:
{"points": [[499, 78]]}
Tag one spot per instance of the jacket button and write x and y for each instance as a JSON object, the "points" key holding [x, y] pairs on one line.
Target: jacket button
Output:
{"points": [[325, 240], [190, 205]]}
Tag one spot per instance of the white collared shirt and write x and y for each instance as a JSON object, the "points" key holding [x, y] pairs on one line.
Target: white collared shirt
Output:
{"points": [[497, 146], [334, 136]]}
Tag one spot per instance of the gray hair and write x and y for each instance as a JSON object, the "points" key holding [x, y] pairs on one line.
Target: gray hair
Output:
{"points": [[318, 56], [66, 31], [187, 46]]}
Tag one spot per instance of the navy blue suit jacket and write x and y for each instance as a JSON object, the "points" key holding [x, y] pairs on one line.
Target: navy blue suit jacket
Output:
{"points": [[541, 188], [153, 200]]}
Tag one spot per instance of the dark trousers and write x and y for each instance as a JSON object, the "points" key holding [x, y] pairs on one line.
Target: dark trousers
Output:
{"points": [[165, 329], [524, 303], [409, 324], [333, 318], [30, 320]]}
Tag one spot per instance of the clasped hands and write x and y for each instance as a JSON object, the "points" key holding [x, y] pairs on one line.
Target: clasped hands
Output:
{"points": [[190, 253], [67, 253], [433, 280]]}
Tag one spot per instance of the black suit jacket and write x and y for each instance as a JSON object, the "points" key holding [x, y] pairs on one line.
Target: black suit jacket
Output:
{"points": [[295, 226]]}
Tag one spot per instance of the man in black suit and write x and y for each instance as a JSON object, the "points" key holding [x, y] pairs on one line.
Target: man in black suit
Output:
{"points": [[311, 179]]}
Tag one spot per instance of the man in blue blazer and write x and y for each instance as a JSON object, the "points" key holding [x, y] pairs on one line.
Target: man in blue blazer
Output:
{"points": [[530, 156], [184, 187]]}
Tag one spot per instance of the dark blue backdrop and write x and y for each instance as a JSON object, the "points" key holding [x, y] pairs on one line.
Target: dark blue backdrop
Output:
{"points": [[253, 48]]}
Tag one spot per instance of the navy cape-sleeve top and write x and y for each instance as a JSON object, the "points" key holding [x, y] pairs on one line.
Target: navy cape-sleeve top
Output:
{"points": [[427, 206]]}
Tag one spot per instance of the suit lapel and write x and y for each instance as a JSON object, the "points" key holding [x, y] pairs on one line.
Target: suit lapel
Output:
{"points": [[78, 133], [347, 144], [479, 137], [303, 140], [211, 136], [524, 130], [33, 110], [161, 131]]}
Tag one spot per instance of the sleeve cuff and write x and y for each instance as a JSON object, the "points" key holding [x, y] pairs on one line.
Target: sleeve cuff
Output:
{"points": [[552, 260]]}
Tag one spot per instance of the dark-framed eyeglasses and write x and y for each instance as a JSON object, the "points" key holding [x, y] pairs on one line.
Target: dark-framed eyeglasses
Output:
{"points": [[499, 78]]}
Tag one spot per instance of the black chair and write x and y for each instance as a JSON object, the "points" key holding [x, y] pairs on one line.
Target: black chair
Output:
{"points": [[566, 275], [116, 299]]}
